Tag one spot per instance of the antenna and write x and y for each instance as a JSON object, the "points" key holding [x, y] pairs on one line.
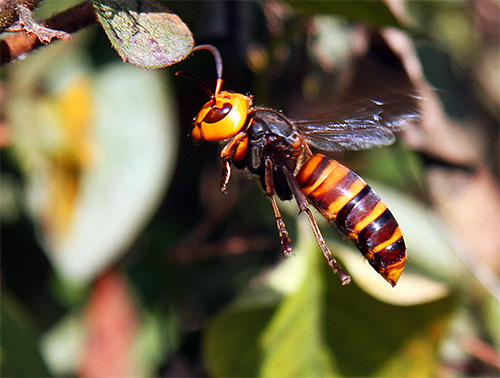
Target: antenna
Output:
{"points": [[218, 68], [218, 63], [198, 81]]}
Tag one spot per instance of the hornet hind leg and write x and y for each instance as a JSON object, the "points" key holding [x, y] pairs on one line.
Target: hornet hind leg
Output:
{"points": [[304, 207]]}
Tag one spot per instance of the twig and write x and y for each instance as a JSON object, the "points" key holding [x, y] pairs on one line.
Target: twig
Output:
{"points": [[8, 11], [29, 25], [69, 21]]}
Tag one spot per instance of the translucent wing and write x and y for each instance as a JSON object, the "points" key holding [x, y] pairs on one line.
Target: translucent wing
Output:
{"points": [[361, 124], [378, 99]]}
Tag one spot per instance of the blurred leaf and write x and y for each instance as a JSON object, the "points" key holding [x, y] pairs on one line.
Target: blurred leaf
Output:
{"points": [[232, 340], [148, 340], [97, 150], [412, 289], [428, 250], [292, 342], [158, 336], [396, 167], [62, 345], [428, 247], [450, 23], [388, 340], [19, 355], [373, 12], [144, 33], [48, 8], [492, 319], [10, 200], [316, 329], [69, 292]]}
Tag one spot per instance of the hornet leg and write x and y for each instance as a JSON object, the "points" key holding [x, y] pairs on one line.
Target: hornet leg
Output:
{"points": [[269, 187], [304, 207], [227, 155]]}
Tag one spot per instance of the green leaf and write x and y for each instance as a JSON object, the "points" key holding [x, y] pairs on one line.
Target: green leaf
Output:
{"points": [[135, 132], [63, 345], [231, 342], [19, 356], [320, 328], [427, 244], [293, 343], [492, 318], [97, 150], [367, 11], [372, 338], [145, 33]]}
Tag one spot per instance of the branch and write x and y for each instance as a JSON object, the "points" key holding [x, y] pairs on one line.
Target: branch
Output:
{"points": [[69, 21], [30, 26], [8, 11]]}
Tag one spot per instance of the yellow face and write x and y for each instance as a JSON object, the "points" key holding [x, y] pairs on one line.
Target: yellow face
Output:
{"points": [[223, 120]]}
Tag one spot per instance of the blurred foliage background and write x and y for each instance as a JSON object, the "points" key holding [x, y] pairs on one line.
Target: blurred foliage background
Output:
{"points": [[120, 256]]}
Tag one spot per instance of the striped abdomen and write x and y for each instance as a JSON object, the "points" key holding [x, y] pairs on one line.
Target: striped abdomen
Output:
{"points": [[345, 198]]}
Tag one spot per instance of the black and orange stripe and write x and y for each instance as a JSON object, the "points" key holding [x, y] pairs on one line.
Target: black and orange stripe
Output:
{"points": [[345, 198]]}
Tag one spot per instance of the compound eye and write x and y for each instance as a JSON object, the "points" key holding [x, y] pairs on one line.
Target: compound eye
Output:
{"points": [[221, 118], [216, 114]]}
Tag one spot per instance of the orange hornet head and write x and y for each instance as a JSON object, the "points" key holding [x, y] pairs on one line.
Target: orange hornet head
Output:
{"points": [[222, 117], [225, 114]]}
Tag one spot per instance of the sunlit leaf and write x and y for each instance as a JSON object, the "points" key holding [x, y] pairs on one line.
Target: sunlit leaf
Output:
{"points": [[97, 149], [492, 318], [317, 328], [427, 244], [144, 33], [292, 343], [411, 289], [388, 340], [62, 345]]}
